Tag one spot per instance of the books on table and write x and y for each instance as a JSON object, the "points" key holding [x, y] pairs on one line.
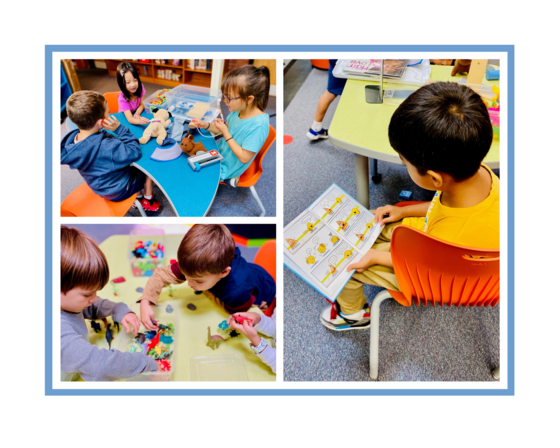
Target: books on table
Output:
{"points": [[392, 68], [332, 233]]}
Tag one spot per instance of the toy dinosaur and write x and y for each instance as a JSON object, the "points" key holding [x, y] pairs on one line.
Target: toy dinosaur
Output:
{"points": [[117, 326], [190, 147], [157, 127], [95, 326], [109, 336], [214, 341]]}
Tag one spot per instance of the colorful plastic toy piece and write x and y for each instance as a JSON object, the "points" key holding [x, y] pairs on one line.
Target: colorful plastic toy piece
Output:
{"points": [[115, 289], [168, 309], [109, 336], [96, 327], [233, 334], [118, 280], [214, 341], [132, 349], [150, 334], [406, 195], [139, 289], [191, 306], [171, 290], [166, 339], [140, 337], [164, 327], [164, 364], [223, 325], [153, 343], [117, 326], [241, 319]]}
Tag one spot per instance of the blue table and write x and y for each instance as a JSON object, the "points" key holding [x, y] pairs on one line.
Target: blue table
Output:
{"points": [[190, 193]]}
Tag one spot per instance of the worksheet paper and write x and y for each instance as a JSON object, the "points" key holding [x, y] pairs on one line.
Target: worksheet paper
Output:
{"points": [[332, 233]]}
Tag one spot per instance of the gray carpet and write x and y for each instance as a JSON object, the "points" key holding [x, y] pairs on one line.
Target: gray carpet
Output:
{"points": [[228, 201], [416, 343]]}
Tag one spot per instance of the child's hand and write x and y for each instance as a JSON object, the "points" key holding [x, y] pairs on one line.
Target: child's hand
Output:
{"points": [[147, 315], [263, 306], [134, 322], [369, 259], [395, 214], [219, 123], [111, 124], [199, 123], [141, 119], [246, 328]]}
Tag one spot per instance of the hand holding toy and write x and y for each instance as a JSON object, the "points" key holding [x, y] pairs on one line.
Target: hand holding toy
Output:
{"points": [[244, 325], [147, 315], [219, 123], [132, 320]]}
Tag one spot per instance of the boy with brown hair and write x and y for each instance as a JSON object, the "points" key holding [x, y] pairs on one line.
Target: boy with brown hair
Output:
{"points": [[210, 262], [103, 160], [442, 132], [84, 271]]}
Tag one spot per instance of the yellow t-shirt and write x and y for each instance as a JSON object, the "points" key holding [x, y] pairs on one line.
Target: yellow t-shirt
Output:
{"points": [[477, 226]]}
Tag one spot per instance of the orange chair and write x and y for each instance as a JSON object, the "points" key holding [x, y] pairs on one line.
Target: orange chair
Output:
{"points": [[266, 258], [250, 177], [83, 202], [430, 270], [113, 101], [320, 63]]}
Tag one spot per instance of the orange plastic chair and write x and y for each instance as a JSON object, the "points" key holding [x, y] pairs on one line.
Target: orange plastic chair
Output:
{"points": [[252, 174], [83, 202], [430, 270], [320, 63], [266, 258], [113, 101]]}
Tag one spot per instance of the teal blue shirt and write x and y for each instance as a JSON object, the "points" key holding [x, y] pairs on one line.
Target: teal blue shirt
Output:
{"points": [[250, 134]]}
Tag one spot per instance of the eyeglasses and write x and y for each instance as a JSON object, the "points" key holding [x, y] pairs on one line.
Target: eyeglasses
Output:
{"points": [[229, 100]]}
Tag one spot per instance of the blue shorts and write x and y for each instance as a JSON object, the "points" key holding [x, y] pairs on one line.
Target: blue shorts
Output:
{"points": [[335, 85], [134, 185]]}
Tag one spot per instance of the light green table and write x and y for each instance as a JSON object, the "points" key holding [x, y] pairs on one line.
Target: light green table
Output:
{"points": [[362, 128], [192, 325]]}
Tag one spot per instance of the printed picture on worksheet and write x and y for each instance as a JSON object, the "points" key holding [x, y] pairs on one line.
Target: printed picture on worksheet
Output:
{"points": [[329, 204], [333, 266], [300, 231], [361, 234], [347, 216], [317, 248]]}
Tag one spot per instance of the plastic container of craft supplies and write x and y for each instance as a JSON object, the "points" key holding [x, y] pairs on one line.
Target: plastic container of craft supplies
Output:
{"points": [[146, 251], [165, 314], [157, 100], [184, 99]]}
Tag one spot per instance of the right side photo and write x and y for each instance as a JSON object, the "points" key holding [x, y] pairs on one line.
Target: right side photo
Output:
{"points": [[391, 233]]}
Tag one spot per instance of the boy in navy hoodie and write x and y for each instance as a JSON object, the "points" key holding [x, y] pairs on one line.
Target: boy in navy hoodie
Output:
{"points": [[103, 160], [209, 261]]}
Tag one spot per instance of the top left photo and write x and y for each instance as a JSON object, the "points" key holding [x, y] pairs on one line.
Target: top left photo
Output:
{"points": [[168, 137]]}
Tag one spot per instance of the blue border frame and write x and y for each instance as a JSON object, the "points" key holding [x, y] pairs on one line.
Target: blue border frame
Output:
{"points": [[50, 49]]}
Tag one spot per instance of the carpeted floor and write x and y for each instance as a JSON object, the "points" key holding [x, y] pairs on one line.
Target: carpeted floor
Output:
{"points": [[416, 343], [228, 201]]}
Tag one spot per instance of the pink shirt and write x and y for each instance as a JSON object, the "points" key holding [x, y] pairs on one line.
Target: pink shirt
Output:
{"points": [[125, 105]]}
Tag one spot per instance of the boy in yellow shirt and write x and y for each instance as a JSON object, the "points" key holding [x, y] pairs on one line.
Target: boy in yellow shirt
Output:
{"points": [[442, 132]]}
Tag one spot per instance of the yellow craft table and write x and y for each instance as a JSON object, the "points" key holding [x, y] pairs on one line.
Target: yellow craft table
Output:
{"points": [[191, 324], [362, 128]]}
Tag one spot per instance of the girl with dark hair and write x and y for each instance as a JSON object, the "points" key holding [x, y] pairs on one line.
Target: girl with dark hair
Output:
{"points": [[245, 91], [132, 93]]}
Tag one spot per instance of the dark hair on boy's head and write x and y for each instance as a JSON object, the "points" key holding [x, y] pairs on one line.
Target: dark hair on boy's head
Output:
{"points": [[122, 69], [85, 108], [443, 127], [82, 264], [206, 249], [246, 81]]}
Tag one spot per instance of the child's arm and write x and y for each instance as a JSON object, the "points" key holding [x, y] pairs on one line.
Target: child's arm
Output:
{"points": [[136, 119], [103, 308], [206, 126], [124, 150], [140, 110], [397, 213], [371, 258], [94, 364], [242, 154], [161, 279]]}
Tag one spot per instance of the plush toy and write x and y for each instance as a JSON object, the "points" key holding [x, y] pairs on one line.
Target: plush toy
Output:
{"points": [[157, 127], [189, 146]]}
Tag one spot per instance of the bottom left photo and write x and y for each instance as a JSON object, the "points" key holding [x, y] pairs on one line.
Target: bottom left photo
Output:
{"points": [[174, 302]]}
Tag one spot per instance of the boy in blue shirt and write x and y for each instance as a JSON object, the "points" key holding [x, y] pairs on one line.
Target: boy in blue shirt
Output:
{"points": [[209, 261], [103, 160]]}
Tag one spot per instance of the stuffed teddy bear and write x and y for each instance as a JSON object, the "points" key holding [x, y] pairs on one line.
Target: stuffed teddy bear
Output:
{"points": [[189, 147], [157, 127]]}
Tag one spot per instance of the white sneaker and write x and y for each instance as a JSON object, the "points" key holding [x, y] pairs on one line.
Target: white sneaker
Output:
{"points": [[314, 135], [343, 322]]}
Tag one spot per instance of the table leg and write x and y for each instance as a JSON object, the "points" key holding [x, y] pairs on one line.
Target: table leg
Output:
{"points": [[362, 181], [375, 176]]}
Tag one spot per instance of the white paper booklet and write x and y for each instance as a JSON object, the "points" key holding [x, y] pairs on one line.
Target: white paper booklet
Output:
{"points": [[332, 233]]}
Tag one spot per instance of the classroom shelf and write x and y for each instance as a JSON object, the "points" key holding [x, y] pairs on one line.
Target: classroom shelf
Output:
{"points": [[189, 76], [65, 90]]}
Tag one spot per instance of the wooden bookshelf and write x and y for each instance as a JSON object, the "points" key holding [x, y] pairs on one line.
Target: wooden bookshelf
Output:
{"points": [[148, 72]]}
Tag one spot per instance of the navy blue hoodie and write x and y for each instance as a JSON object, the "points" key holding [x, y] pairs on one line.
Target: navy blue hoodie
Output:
{"points": [[243, 281], [102, 160]]}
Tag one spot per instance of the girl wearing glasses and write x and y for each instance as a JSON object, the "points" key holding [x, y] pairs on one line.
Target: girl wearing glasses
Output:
{"points": [[245, 92]]}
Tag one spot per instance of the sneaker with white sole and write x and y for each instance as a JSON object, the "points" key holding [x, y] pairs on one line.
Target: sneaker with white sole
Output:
{"points": [[334, 319], [314, 135]]}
